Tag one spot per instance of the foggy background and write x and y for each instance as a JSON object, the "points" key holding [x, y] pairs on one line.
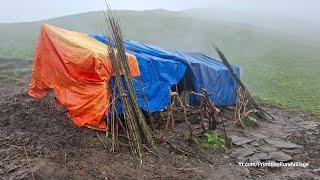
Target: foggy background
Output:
{"points": [[31, 10]]}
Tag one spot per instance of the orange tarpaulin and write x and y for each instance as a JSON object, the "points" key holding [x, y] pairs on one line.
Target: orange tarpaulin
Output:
{"points": [[78, 70]]}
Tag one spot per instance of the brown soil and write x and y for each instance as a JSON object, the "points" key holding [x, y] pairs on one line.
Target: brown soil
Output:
{"points": [[38, 140]]}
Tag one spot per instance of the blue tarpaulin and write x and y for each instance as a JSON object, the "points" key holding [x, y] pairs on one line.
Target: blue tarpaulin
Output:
{"points": [[212, 75], [161, 70]]}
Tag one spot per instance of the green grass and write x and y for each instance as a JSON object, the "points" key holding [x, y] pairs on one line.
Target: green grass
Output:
{"points": [[13, 75], [291, 80], [277, 68], [210, 141]]}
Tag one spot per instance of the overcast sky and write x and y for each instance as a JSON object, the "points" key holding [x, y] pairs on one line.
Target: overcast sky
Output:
{"points": [[30, 10]]}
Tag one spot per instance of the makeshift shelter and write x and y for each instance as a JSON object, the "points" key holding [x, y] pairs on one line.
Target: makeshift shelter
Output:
{"points": [[77, 68], [192, 70]]}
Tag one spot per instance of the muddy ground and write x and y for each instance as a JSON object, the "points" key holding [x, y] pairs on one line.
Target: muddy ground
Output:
{"points": [[37, 140]]}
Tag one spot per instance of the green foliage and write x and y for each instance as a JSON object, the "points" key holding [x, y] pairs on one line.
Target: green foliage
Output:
{"points": [[211, 141]]}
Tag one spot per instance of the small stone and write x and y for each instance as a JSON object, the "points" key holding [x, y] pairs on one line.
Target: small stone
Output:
{"points": [[261, 156], [242, 152], [282, 144], [280, 156], [249, 146], [259, 136], [290, 151], [255, 143], [239, 140], [242, 159], [267, 148], [254, 160]]}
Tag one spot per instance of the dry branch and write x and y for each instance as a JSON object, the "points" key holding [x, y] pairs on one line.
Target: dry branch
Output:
{"points": [[174, 100], [207, 108]]}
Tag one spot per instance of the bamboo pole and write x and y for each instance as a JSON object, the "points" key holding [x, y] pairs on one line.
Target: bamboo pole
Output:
{"points": [[147, 104]]}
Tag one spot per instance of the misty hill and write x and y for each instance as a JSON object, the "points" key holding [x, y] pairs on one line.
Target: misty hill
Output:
{"points": [[300, 29], [164, 28], [277, 66]]}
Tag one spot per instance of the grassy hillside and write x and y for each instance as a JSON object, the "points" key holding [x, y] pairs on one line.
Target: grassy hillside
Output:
{"points": [[278, 68]]}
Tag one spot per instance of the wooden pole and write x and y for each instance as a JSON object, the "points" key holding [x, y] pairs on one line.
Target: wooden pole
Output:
{"points": [[264, 114]]}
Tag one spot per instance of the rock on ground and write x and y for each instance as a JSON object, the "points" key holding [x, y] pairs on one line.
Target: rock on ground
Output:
{"points": [[280, 156], [281, 144], [239, 140]]}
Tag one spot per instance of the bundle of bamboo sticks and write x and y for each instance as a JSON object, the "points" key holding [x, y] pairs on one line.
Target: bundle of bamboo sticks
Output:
{"points": [[136, 128]]}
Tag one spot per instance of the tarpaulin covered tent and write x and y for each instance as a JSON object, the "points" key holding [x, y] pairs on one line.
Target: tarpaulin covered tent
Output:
{"points": [[76, 66], [78, 70], [194, 69]]}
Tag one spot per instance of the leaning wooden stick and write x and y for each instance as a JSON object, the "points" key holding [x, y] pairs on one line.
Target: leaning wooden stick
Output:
{"points": [[151, 119], [264, 114]]}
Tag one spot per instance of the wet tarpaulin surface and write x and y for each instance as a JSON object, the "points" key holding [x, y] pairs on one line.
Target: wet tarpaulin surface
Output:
{"points": [[78, 71], [169, 67]]}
